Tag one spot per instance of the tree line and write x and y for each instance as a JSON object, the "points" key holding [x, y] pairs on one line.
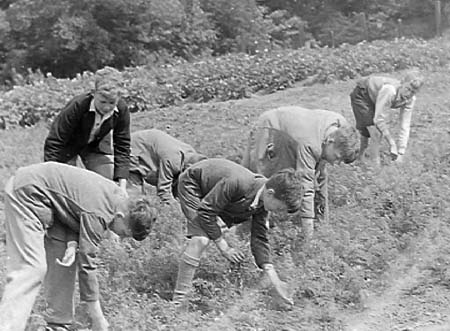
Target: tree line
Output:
{"points": [[66, 37]]}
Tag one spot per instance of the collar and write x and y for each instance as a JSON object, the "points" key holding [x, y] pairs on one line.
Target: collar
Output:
{"points": [[92, 108], [329, 130], [255, 202]]}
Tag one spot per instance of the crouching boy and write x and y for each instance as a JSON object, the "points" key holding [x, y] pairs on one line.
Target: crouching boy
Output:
{"points": [[221, 188], [306, 140], [372, 101], [88, 205], [158, 159]]}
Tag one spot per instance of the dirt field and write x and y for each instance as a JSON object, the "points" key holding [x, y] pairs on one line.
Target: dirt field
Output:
{"points": [[412, 291]]}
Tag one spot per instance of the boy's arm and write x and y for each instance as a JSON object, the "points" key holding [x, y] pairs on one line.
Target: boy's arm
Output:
{"points": [[321, 194], [261, 251], [166, 172], [92, 231], [259, 241], [405, 125], [383, 105], [307, 163], [62, 129], [121, 142]]}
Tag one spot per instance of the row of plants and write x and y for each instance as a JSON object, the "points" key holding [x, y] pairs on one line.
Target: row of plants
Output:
{"points": [[228, 77]]}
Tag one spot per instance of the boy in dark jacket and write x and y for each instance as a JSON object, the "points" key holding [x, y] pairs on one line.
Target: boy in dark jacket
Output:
{"points": [[216, 188], [96, 127], [87, 205]]}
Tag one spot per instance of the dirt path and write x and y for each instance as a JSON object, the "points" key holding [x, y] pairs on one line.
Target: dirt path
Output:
{"points": [[411, 301]]}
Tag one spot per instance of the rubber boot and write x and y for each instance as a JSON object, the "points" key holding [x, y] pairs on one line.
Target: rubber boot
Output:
{"points": [[186, 270]]}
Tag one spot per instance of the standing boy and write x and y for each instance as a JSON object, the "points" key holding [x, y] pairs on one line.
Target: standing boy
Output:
{"points": [[96, 127], [372, 101], [158, 159], [221, 188], [86, 205], [304, 139]]}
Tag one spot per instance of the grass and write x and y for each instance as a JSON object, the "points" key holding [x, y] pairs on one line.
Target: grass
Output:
{"points": [[377, 216]]}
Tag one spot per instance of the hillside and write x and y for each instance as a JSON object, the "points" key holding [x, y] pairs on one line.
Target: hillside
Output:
{"points": [[381, 264]]}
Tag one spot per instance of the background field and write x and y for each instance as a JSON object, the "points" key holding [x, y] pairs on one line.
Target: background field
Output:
{"points": [[381, 264]]}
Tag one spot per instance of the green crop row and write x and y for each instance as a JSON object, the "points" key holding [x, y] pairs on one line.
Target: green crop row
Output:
{"points": [[228, 77]]}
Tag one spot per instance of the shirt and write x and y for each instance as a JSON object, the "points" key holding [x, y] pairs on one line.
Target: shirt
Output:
{"points": [[82, 201], [98, 120]]}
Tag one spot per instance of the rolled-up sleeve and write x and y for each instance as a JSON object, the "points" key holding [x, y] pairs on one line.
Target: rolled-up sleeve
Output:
{"points": [[259, 241], [92, 230], [307, 163], [405, 125], [322, 182], [168, 169], [215, 202], [383, 105]]}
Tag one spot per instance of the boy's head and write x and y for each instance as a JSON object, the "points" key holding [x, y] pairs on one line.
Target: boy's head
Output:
{"points": [[141, 218], [283, 191], [107, 89], [342, 145], [193, 158], [410, 84]]}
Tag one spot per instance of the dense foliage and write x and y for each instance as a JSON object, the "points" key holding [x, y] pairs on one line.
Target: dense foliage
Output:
{"points": [[228, 77], [67, 37]]}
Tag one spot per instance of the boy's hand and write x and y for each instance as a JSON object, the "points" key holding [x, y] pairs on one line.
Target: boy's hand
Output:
{"points": [[231, 254], [234, 255], [400, 158], [283, 291], [280, 286], [69, 255], [99, 322]]}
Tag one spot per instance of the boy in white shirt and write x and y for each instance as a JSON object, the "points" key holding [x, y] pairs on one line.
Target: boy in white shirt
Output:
{"points": [[372, 99]]}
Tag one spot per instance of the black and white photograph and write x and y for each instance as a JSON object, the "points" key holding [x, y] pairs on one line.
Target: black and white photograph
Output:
{"points": [[225, 165]]}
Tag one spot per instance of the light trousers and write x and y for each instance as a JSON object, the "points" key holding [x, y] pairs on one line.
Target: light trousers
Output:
{"points": [[26, 262]]}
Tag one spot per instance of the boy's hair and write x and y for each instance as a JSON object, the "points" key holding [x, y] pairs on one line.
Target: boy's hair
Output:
{"points": [[192, 159], [346, 139], [287, 187], [108, 81], [142, 217], [414, 79]]}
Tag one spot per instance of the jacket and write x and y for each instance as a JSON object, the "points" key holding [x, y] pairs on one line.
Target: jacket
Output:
{"points": [[159, 159], [81, 201], [228, 190], [70, 131]]}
